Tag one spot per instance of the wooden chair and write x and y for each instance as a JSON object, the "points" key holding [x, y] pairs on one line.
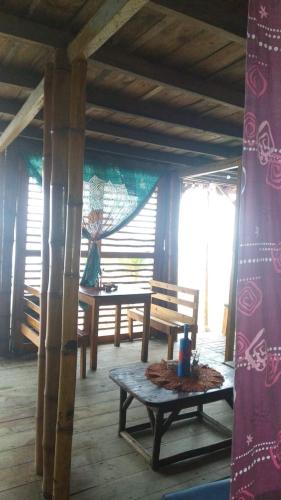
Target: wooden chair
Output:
{"points": [[165, 319]]}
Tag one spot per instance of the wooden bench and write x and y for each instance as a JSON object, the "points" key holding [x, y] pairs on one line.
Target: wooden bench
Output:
{"points": [[168, 320], [30, 325]]}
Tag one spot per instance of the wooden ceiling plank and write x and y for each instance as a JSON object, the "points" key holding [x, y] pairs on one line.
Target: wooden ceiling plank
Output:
{"points": [[109, 18], [186, 12], [24, 116], [160, 76]]}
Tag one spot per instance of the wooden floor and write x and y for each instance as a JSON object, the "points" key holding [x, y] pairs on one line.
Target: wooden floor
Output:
{"points": [[104, 466]]}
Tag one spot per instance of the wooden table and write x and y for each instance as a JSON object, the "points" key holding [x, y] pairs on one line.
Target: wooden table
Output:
{"points": [[123, 295], [164, 407]]}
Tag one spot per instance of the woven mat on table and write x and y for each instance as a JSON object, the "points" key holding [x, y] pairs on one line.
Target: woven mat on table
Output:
{"points": [[206, 378]]}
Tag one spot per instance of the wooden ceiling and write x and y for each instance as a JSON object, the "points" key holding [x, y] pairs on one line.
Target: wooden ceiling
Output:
{"points": [[167, 88]]}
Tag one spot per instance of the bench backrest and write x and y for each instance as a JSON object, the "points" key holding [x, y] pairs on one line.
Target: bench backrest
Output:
{"points": [[168, 294]]}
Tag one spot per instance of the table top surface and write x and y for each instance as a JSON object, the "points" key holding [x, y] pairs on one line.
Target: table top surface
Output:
{"points": [[122, 291], [133, 380]]}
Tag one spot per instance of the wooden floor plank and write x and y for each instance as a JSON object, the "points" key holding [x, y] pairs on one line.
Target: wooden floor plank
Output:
{"points": [[104, 466]]}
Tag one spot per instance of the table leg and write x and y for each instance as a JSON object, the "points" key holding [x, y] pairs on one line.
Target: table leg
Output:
{"points": [[117, 325], [122, 410], [146, 327], [94, 336], [158, 432], [87, 320]]}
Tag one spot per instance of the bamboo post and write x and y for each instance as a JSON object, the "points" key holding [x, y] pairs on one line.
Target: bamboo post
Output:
{"points": [[9, 190], [206, 290], [58, 190], [19, 259], [71, 283], [230, 324], [3, 166], [46, 178]]}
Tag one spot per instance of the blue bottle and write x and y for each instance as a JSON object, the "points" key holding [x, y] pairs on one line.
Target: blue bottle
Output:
{"points": [[184, 369]]}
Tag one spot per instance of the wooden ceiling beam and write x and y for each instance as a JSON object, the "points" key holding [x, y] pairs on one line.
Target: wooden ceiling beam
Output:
{"points": [[212, 168], [26, 80], [11, 107], [24, 116], [109, 18], [218, 21], [151, 138], [170, 79], [26, 31], [131, 108], [124, 150], [105, 22], [215, 20], [35, 135]]}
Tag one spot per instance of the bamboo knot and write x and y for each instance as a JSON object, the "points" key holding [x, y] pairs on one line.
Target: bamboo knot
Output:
{"points": [[65, 430], [75, 203], [70, 347], [72, 275]]}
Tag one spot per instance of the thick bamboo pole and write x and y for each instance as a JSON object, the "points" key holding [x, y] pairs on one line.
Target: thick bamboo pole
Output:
{"points": [[71, 283], [19, 259], [46, 178], [10, 179], [58, 191], [231, 317]]}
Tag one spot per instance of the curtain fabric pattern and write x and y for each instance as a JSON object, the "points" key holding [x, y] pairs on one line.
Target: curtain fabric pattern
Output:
{"points": [[112, 197], [256, 455]]}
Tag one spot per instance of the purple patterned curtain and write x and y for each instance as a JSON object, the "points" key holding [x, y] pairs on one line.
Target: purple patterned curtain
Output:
{"points": [[256, 454]]}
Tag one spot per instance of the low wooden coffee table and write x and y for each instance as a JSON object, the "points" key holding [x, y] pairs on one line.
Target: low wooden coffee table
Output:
{"points": [[164, 407]]}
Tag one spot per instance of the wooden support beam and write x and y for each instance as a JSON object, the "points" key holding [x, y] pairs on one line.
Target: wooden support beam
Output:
{"points": [[28, 111], [138, 68], [110, 17], [216, 20]]}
